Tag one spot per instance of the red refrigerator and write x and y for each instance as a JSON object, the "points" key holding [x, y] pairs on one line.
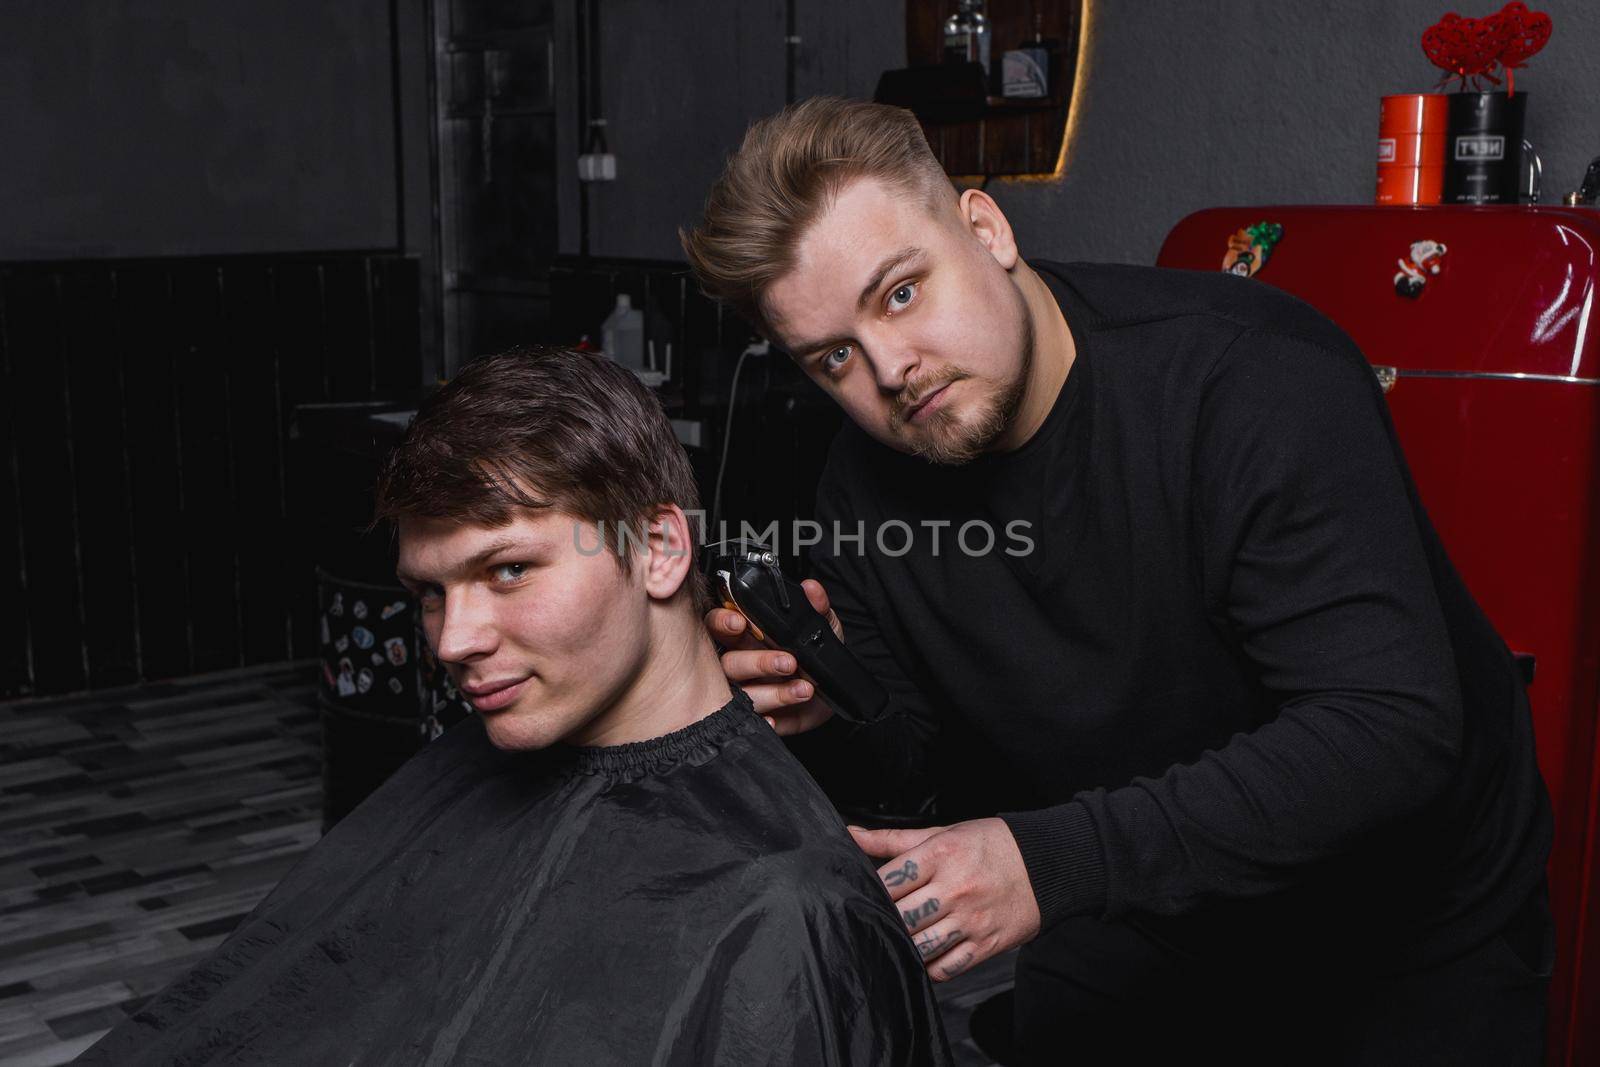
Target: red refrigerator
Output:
{"points": [[1481, 323]]}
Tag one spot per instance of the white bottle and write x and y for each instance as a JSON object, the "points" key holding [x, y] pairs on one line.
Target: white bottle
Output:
{"points": [[622, 334]]}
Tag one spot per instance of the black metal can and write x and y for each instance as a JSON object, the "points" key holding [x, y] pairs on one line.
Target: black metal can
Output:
{"points": [[1483, 159]]}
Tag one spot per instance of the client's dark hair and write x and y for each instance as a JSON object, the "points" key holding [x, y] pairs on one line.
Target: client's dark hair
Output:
{"points": [[535, 428]]}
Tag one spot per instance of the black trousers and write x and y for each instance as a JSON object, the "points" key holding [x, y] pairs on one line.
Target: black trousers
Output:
{"points": [[1091, 992]]}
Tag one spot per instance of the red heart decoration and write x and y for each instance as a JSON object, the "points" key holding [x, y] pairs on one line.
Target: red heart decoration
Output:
{"points": [[1527, 32], [1466, 48], [1471, 48]]}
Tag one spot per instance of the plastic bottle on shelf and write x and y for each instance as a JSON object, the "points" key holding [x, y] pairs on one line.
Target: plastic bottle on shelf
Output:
{"points": [[622, 334]]}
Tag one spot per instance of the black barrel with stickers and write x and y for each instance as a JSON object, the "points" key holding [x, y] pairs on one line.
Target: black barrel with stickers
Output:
{"points": [[381, 701], [383, 695]]}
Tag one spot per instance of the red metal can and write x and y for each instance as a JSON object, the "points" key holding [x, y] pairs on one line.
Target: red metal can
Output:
{"points": [[1411, 148]]}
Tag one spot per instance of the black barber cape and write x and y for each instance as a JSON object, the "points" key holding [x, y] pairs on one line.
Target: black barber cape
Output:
{"points": [[693, 899]]}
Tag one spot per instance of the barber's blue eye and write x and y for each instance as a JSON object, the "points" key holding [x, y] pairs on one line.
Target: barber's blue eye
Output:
{"points": [[902, 296], [836, 358]]}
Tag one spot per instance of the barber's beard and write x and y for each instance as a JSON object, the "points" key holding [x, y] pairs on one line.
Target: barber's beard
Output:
{"points": [[953, 439]]}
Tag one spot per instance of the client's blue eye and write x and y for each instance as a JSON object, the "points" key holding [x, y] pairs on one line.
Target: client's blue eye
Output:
{"points": [[901, 298], [830, 363], [509, 572]]}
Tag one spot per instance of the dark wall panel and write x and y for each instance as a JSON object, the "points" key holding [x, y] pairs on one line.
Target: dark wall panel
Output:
{"points": [[395, 298], [255, 416], [302, 332], [15, 638], [93, 362], [195, 127], [303, 376], [49, 527], [678, 92], [147, 314], [350, 357], [679, 85], [205, 459], [144, 524]]}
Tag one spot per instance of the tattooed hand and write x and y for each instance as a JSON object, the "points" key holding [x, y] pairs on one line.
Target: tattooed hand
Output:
{"points": [[962, 890]]}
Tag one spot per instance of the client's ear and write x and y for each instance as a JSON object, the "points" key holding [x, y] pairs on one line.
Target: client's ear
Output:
{"points": [[672, 552]]}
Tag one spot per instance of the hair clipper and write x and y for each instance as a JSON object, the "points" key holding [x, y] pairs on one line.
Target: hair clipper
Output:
{"points": [[750, 582]]}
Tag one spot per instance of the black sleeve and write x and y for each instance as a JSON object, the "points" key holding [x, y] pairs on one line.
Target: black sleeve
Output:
{"points": [[1312, 560], [885, 765]]}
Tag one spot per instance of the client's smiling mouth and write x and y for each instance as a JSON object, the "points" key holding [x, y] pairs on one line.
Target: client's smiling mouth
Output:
{"points": [[488, 696]]}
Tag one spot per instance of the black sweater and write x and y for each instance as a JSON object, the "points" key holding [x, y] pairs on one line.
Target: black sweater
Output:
{"points": [[1235, 680]]}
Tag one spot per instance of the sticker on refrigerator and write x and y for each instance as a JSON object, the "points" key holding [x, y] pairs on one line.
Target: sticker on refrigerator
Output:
{"points": [[1425, 260], [1249, 248]]}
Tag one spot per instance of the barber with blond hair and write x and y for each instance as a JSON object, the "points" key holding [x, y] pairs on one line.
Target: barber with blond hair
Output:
{"points": [[1229, 751]]}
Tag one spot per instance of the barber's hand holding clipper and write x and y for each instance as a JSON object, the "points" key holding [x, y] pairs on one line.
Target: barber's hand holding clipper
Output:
{"points": [[962, 890], [783, 693]]}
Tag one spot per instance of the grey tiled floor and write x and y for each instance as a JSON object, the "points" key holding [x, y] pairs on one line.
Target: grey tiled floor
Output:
{"points": [[138, 826]]}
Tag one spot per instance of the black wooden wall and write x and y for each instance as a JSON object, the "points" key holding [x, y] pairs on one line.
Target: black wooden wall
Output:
{"points": [[144, 413]]}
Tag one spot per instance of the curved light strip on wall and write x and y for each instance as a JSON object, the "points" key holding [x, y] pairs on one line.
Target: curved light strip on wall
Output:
{"points": [[1075, 102]]}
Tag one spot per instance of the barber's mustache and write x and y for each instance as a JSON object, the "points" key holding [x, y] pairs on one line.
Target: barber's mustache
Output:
{"points": [[914, 393]]}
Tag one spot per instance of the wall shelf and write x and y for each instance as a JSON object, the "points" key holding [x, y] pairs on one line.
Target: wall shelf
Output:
{"points": [[1012, 137]]}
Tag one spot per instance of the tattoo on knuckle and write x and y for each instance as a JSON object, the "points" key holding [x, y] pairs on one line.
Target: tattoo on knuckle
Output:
{"points": [[958, 965], [926, 910], [907, 872], [931, 944]]}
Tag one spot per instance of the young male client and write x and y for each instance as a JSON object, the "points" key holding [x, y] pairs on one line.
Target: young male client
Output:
{"points": [[617, 861]]}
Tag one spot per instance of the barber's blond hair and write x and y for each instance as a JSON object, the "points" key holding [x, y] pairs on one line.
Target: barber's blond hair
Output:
{"points": [[786, 172]]}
